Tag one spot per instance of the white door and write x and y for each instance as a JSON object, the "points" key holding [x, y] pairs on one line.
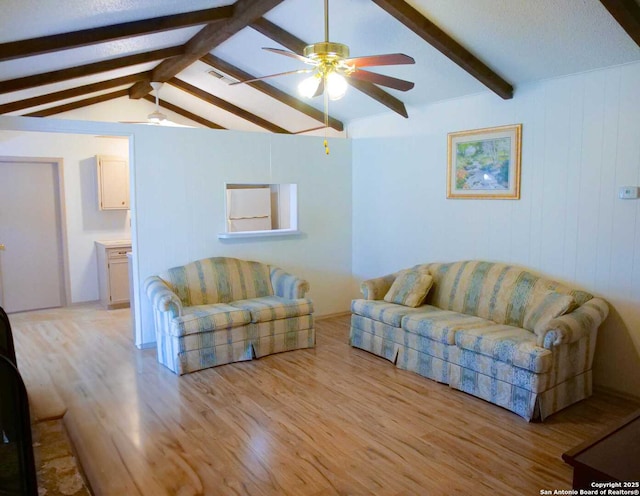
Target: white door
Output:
{"points": [[31, 262]]}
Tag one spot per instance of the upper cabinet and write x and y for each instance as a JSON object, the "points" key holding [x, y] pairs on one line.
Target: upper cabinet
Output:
{"points": [[113, 183]]}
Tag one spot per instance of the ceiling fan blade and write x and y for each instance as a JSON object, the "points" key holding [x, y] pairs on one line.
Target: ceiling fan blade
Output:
{"points": [[309, 130], [166, 123], [386, 59], [299, 71], [382, 80], [290, 54]]}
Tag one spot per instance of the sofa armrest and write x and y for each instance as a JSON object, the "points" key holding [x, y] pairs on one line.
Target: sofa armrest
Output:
{"points": [[162, 298], [375, 289], [287, 285], [572, 327]]}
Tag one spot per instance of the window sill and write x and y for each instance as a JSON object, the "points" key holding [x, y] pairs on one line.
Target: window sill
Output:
{"points": [[258, 234]]}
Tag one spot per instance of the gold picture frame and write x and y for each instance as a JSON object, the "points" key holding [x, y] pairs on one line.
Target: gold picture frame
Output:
{"points": [[485, 163]]}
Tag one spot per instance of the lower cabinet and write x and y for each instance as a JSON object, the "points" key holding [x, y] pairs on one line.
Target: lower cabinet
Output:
{"points": [[113, 273]]}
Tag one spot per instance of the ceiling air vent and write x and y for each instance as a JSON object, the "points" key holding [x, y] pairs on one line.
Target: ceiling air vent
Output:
{"points": [[222, 77]]}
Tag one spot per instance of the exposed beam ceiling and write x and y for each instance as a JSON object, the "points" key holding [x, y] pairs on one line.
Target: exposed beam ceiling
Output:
{"points": [[79, 104], [224, 105], [46, 44], [209, 37], [221, 24], [441, 41], [87, 70], [72, 92], [287, 40], [267, 89], [184, 113], [627, 13], [580, 37]]}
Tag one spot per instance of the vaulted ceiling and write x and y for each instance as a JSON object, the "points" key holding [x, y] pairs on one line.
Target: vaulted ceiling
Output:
{"points": [[61, 55]]}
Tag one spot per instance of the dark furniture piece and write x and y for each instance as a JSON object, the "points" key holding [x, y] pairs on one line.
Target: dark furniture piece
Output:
{"points": [[17, 465], [6, 338], [613, 456]]}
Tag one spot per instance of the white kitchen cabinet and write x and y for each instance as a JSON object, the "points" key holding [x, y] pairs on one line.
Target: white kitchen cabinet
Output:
{"points": [[113, 183], [113, 273]]}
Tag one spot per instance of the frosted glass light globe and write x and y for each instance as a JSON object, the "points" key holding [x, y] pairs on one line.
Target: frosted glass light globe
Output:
{"points": [[336, 86], [308, 87]]}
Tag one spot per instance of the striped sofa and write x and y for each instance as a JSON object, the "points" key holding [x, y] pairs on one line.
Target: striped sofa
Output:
{"points": [[221, 310], [496, 331]]}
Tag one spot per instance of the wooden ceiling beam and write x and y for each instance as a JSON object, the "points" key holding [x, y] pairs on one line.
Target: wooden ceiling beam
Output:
{"points": [[442, 42], [627, 13], [287, 40], [271, 91], [79, 104], [72, 92], [184, 113], [209, 37], [279, 35], [92, 88], [35, 80], [224, 105], [75, 39]]}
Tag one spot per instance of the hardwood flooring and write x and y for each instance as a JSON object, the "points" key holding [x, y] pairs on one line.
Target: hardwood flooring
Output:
{"points": [[326, 421]]}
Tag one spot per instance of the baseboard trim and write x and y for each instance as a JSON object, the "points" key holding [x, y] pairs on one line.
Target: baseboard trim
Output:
{"points": [[618, 394], [332, 315]]}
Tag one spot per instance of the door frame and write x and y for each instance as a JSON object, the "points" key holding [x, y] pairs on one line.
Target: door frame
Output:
{"points": [[63, 262]]}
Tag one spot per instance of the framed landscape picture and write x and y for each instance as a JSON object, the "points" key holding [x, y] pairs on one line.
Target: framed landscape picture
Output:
{"points": [[485, 163]]}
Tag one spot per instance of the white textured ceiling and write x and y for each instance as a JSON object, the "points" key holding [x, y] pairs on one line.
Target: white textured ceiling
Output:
{"points": [[521, 40], [22, 19]]}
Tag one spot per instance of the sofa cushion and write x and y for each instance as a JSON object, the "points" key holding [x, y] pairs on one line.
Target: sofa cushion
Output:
{"points": [[410, 288], [494, 291], [219, 280], [382, 311], [440, 325], [544, 306], [202, 318], [508, 344], [269, 308]]}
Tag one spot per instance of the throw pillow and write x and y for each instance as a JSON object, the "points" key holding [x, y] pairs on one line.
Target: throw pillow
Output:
{"points": [[544, 306], [410, 288]]}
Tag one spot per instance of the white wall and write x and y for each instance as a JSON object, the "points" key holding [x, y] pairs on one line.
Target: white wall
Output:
{"points": [[581, 141], [179, 205], [84, 221]]}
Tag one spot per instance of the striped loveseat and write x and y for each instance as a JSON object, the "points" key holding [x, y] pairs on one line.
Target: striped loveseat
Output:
{"points": [[496, 331], [221, 310]]}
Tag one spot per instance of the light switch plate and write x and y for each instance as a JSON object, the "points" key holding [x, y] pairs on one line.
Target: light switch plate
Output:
{"points": [[628, 192]]}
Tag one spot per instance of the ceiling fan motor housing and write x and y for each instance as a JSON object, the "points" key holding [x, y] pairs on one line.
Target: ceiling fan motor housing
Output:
{"points": [[329, 56], [326, 50]]}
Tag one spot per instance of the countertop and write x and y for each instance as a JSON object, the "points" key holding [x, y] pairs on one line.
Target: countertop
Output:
{"points": [[115, 243]]}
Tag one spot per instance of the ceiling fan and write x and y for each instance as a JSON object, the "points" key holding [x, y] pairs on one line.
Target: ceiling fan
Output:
{"points": [[332, 67], [157, 118]]}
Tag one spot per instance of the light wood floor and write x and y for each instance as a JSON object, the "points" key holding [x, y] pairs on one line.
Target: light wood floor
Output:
{"points": [[332, 420]]}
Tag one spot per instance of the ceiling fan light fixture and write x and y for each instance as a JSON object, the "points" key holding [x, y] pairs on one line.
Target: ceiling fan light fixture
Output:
{"points": [[156, 117], [308, 86], [336, 86]]}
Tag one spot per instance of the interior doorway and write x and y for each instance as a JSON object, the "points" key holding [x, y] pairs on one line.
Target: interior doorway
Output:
{"points": [[32, 247]]}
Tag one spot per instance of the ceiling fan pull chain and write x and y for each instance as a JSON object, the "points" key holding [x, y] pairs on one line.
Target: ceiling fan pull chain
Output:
{"points": [[326, 122]]}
